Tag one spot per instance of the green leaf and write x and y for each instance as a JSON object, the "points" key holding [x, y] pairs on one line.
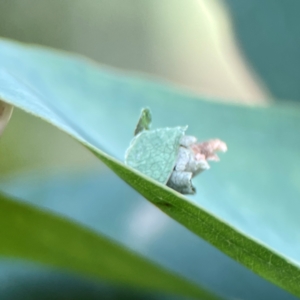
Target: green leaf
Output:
{"points": [[39, 236], [246, 206], [144, 122], [160, 148]]}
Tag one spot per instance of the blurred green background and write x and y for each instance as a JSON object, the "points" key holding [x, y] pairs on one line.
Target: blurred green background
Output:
{"points": [[243, 52], [191, 44]]}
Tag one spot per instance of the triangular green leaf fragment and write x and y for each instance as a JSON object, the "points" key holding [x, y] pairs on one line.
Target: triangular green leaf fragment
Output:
{"points": [[154, 152]]}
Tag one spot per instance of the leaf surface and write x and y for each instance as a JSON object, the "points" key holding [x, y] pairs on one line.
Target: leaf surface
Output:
{"points": [[247, 206]]}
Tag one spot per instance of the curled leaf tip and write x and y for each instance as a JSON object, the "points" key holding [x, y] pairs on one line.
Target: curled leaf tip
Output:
{"points": [[144, 122]]}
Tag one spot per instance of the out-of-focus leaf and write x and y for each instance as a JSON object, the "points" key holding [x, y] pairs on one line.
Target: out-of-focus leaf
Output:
{"points": [[268, 34], [37, 235], [247, 206], [21, 280]]}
